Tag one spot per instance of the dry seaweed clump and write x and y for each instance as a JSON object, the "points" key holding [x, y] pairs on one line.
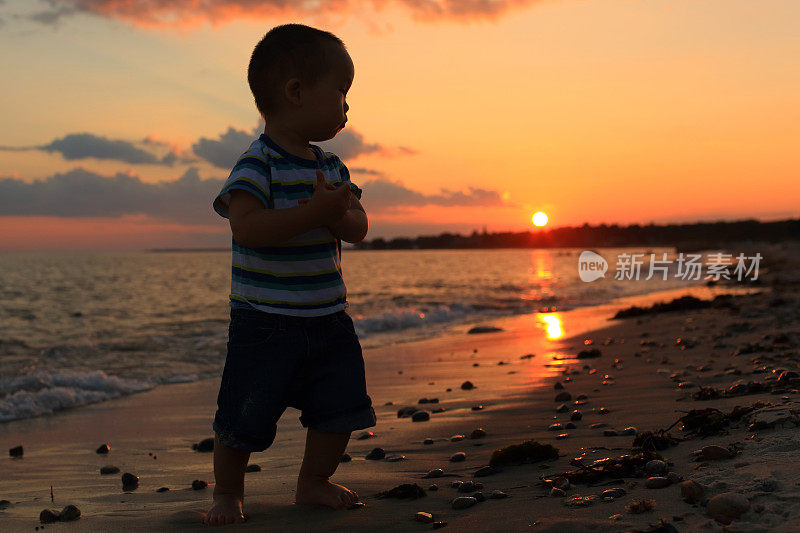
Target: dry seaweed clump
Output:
{"points": [[529, 451], [640, 506], [628, 465], [655, 440]]}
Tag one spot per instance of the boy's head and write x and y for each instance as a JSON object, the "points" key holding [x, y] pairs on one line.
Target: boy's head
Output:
{"points": [[300, 75]]}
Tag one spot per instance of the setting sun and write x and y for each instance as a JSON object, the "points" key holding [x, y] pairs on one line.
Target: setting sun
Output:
{"points": [[539, 219]]}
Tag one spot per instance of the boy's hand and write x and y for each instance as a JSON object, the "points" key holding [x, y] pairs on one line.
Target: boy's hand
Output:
{"points": [[330, 201]]}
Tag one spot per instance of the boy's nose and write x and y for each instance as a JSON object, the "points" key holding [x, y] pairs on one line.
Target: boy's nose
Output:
{"points": [[346, 107]]}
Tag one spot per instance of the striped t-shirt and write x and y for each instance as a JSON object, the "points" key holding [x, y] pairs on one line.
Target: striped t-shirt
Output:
{"points": [[303, 276]]}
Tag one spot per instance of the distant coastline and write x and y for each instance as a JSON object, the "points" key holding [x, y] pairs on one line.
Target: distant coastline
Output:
{"points": [[685, 237]]}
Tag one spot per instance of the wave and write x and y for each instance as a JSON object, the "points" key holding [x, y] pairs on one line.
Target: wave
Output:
{"points": [[41, 392]]}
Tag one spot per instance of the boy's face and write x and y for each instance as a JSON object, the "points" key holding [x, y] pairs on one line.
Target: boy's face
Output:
{"points": [[326, 111]]}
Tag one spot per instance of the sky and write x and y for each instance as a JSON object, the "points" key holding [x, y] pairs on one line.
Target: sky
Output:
{"points": [[121, 120]]}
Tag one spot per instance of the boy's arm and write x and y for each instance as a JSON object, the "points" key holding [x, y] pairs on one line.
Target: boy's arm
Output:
{"points": [[253, 226], [353, 226]]}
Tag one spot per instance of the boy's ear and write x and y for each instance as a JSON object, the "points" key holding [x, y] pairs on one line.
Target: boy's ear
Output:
{"points": [[291, 90]]}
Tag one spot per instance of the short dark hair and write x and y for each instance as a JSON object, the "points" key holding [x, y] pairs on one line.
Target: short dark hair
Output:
{"points": [[284, 52]]}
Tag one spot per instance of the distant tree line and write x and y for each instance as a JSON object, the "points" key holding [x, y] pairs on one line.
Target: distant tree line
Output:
{"points": [[686, 237]]}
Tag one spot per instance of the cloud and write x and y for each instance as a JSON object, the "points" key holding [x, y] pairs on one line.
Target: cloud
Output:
{"points": [[388, 195], [224, 150], [84, 145], [185, 14], [83, 193]]}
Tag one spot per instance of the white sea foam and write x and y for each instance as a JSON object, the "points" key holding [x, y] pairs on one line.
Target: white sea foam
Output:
{"points": [[42, 392]]}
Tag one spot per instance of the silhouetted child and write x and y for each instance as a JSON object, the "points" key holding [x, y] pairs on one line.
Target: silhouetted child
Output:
{"points": [[291, 343]]}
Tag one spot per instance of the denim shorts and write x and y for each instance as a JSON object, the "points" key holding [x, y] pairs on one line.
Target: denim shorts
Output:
{"points": [[274, 361]]}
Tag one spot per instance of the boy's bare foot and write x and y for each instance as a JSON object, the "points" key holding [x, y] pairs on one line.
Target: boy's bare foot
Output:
{"points": [[227, 509], [323, 492]]}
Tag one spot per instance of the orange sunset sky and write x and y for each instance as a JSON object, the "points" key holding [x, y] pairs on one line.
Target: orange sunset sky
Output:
{"points": [[121, 119]]}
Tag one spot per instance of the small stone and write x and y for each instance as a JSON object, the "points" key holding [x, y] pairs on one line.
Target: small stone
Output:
{"points": [[616, 492], [557, 493], [555, 427], [395, 458], [104, 448], [346, 458], [610, 433], [462, 502], [205, 445], [129, 481], [727, 507], [714, 452], [49, 515], [456, 438], [477, 407], [405, 412], [427, 441], [199, 484], [162, 489], [376, 454], [434, 487], [562, 436], [456, 483], [439, 524], [603, 411], [691, 491], [253, 468], [70, 513], [576, 415], [598, 425], [657, 482], [428, 400], [15, 451], [467, 486], [580, 501], [458, 457], [629, 431], [425, 518], [467, 385], [570, 425], [109, 469], [421, 416], [656, 467], [498, 495], [436, 472], [4, 504], [558, 386], [563, 397], [487, 471], [366, 435], [562, 408], [479, 496], [674, 477], [477, 433]]}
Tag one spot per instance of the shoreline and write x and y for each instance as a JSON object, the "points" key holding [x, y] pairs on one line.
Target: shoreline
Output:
{"points": [[165, 421]]}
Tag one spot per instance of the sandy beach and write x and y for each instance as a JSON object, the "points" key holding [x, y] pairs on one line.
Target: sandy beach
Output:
{"points": [[645, 375]]}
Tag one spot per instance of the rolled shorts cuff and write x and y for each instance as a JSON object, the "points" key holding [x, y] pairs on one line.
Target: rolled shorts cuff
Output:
{"points": [[240, 442], [361, 418]]}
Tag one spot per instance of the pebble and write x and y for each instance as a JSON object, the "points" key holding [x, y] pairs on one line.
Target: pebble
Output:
{"points": [[15, 451], [555, 427], [434, 487], [253, 468], [458, 457], [439, 524], [603, 411], [345, 458], [487, 471], [691, 491], [407, 411], [428, 400], [656, 467], [713, 452], [558, 386], [556, 492], [570, 425], [425, 518], [629, 431], [366, 435], [479, 496], [674, 477], [4, 504], [582, 397], [580, 501], [477, 407], [562, 408], [563, 397], [70, 513], [376, 453], [562, 436], [456, 483], [109, 469], [427, 441], [456, 438], [129, 481], [576, 415], [467, 385], [462, 502], [598, 425], [616, 492], [199, 484], [727, 507], [498, 495], [436, 472], [477, 433], [657, 482], [162, 489], [610, 433], [468, 486], [104, 448], [421, 416], [205, 445], [49, 515]]}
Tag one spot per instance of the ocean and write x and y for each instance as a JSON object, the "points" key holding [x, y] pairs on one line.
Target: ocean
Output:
{"points": [[84, 327]]}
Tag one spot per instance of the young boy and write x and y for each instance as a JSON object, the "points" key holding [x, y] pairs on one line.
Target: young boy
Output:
{"points": [[291, 343]]}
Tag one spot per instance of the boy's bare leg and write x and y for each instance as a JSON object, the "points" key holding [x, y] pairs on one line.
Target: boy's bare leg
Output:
{"points": [[323, 454], [229, 467]]}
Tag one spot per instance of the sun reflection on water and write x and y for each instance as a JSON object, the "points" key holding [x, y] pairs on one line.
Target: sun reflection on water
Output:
{"points": [[552, 325]]}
